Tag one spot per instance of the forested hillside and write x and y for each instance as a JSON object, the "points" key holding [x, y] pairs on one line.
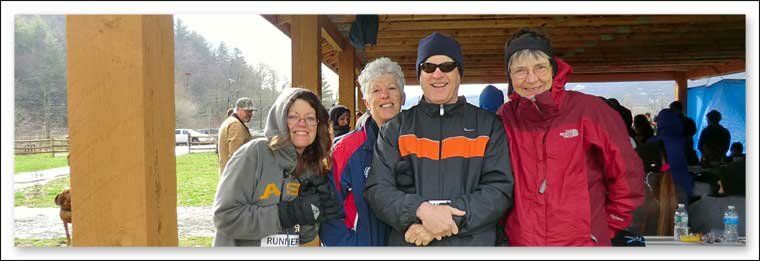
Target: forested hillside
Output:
{"points": [[207, 79]]}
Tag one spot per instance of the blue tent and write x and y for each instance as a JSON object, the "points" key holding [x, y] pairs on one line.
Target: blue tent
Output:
{"points": [[727, 96]]}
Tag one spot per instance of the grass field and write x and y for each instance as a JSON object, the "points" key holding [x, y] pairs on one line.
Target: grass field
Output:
{"points": [[42, 196], [32, 162], [61, 242], [197, 177]]}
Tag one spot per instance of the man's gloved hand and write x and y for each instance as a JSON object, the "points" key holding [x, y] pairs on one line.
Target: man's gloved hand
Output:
{"points": [[330, 208], [405, 176], [303, 210]]}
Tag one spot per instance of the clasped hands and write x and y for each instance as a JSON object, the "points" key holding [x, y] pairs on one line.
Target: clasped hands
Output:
{"points": [[437, 222]]}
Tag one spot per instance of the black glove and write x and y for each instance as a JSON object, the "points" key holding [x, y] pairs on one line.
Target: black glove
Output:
{"points": [[405, 177], [299, 211], [626, 238], [329, 206]]}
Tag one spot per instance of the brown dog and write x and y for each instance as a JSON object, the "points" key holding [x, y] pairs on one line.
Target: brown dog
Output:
{"points": [[64, 201]]}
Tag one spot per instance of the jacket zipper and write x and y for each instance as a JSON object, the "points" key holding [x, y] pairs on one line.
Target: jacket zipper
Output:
{"points": [[440, 152], [282, 193]]}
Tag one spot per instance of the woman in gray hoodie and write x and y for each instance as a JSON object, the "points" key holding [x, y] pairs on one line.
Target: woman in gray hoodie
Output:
{"points": [[273, 191]]}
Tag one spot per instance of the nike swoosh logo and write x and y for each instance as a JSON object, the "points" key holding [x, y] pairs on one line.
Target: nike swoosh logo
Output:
{"points": [[466, 129]]}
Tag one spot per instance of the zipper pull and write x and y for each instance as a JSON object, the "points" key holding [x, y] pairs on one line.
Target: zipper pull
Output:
{"points": [[441, 110]]}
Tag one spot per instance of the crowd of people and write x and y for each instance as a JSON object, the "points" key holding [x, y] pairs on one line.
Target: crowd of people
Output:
{"points": [[550, 167]]}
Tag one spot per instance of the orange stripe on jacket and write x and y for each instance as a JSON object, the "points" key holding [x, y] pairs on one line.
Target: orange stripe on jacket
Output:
{"points": [[464, 147], [452, 147], [422, 148]]}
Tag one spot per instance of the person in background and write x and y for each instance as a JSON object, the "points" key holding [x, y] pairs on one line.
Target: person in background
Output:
{"points": [[642, 128], [625, 114], [655, 216], [670, 132], [382, 86], [440, 172], [706, 214], [339, 118], [491, 98], [275, 187], [577, 178], [233, 132], [689, 130], [714, 140], [736, 152]]}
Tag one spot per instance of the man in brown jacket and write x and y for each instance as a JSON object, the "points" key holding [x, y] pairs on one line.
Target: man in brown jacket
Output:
{"points": [[233, 133]]}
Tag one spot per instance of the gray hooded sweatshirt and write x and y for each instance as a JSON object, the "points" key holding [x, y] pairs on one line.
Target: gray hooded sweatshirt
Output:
{"points": [[255, 180]]}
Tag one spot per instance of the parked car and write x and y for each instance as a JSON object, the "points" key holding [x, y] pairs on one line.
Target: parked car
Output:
{"points": [[255, 133], [181, 136], [210, 131]]}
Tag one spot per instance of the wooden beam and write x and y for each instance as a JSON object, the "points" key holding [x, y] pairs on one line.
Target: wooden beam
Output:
{"points": [[734, 37], [680, 88], [281, 22], [559, 21], [121, 82], [346, 80], [730, 67], [331, 34], [582, 31], [305, 50]]}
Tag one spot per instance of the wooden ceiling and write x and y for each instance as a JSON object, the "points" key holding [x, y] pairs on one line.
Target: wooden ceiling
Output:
{"points": [[600, 47]]}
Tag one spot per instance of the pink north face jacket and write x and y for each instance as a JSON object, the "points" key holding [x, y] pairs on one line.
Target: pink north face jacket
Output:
{"points": [[577, 177]]}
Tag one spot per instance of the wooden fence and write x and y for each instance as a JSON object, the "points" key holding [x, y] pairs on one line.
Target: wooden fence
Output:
{"points": [[201, 145], [36, 146]]}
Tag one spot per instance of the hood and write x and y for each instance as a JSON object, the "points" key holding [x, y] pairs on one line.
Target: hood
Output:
{"points": [[669, 124], [491, 98], [277, 123], [335, 112], [558, 82], [669, 131]]}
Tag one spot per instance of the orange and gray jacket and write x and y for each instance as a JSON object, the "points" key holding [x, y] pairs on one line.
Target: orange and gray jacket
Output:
{"points": [[458, 153]]}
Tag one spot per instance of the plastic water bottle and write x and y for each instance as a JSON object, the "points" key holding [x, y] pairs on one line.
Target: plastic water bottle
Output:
{"points": [[681, 224], [730, 223]]}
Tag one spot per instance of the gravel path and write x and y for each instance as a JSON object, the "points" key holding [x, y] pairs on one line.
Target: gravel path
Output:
{"points": [[45, 223]]}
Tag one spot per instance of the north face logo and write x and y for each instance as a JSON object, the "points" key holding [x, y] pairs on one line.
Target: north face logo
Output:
{"points": [[569, 133]]}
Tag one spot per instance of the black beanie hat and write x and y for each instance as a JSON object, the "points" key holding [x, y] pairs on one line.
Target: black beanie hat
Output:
{"points": [[435, 44], [528, 39]]}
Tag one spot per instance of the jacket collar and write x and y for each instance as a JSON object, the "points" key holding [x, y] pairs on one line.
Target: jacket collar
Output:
{"points": [[241, 121], [434, 110], [547, 104], [557, 91], [370, 130], [286, 157]]}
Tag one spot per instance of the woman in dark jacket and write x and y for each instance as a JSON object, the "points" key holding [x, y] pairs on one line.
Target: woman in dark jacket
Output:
{"points": [[340, 116]]}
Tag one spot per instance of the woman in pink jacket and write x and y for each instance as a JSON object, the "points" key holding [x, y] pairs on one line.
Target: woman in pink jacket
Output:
{"points": [[577, 178]]}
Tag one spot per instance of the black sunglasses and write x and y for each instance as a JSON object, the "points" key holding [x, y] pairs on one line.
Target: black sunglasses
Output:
{"points": [[445, 67]]}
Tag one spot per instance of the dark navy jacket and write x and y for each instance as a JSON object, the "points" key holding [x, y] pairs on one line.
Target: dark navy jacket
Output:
{"points": [[352, 158]]}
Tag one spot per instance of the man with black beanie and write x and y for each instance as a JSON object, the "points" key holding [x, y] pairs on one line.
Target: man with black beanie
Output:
{"points": [[440, 171]]}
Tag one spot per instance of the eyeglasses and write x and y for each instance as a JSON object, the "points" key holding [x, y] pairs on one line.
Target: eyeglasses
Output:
{"points": [[522, 72], [445, 67], [310, 120]]}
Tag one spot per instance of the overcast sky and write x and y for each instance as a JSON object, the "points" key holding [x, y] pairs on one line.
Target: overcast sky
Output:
{"points": [[259, 40]]}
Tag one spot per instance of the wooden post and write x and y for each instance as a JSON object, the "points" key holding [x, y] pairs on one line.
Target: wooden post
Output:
{"points": [[361, 106], [346, 80], [305, 53], [681, 87], [121, 120]]}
